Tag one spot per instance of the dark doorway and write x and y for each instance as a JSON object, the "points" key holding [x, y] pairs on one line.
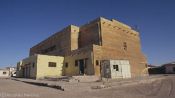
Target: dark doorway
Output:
{"points": [[23, 72], [29, 71], [174, 69], [81, 66]]}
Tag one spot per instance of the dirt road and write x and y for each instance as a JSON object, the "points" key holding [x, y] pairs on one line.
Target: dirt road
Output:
{"points": [[164, 88]]}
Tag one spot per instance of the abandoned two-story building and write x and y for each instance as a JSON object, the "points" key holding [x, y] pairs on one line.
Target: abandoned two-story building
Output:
{"points": [[85, 50]]}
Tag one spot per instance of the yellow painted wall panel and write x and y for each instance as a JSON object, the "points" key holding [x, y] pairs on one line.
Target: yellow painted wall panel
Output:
{"points": [[43, 69]]}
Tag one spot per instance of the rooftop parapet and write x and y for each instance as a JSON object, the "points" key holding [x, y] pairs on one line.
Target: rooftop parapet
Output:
{"points": [[118, 24]]}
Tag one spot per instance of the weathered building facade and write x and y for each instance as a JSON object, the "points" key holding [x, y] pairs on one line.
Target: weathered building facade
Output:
{"points": [[83, 48]]}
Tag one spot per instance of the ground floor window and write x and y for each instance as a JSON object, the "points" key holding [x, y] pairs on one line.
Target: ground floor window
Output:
{"points": [[116, 67], [97, 62], [52, 64], [76, 63], [4, 73], [66, 65]]}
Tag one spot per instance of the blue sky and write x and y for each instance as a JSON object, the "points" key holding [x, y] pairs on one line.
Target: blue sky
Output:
{"points": [[24, 23]]}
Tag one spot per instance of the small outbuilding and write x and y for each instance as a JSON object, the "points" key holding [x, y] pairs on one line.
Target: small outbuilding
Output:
{"points": [[4, 73], [40, 67]]}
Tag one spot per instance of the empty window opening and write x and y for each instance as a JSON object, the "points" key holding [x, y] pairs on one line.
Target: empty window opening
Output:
{"points": [[125, 46], [52, 64], [66, 65], [116, 67], [76, 63], [33, 65], [174, 69], [51, 48], [97, 62]]}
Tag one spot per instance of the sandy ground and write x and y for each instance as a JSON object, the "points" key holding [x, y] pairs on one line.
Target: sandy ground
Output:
{"points": [[159, 88]]}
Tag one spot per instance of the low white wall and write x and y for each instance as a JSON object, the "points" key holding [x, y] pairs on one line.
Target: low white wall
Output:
{"points": [[4, 74]]}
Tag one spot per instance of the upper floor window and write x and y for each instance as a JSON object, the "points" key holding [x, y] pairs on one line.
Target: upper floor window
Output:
{"points": [[124, 45], [52, 48]]}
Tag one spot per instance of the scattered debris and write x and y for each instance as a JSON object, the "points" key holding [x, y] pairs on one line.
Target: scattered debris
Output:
{"points": [[100, 87], [61, 78]]}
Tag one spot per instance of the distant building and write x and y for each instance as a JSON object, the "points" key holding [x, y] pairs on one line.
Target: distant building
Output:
{"points": [[4, 73], [84, 48], [168, 68], [12, 71]]}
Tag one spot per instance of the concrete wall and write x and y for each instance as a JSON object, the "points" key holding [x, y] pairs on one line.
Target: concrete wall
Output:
{"points": [[86, 54], [74, 34], [59, 44], [4, 73], [43, 70], [19, 69], [89, 34], [169, 68]]}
